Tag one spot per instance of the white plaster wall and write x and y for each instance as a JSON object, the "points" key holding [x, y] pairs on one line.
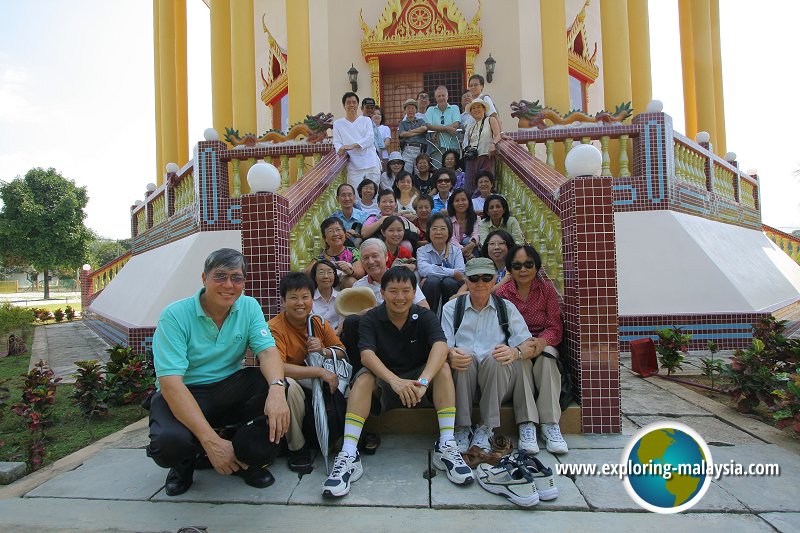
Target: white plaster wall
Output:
{"points": [[158, 277], [671, 262], [530, 56]]}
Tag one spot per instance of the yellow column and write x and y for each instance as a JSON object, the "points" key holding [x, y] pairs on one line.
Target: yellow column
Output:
{"points": [[243, 73], [719, 100], [221, 99], [704, 68], [639, 28], [182, 111], [687, 66], [298, 46], [616, 62], [555, 67], [168, 84], [157, 79]]}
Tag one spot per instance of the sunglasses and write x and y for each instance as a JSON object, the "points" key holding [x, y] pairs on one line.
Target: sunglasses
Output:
{"points": [[486, 278], [443, 181], [526, 264], [221, 277], [443, 120]]}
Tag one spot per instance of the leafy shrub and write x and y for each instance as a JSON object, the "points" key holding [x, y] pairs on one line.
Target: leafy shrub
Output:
{"points": [[89, 393], [752, 380], [42, 315], [38, 397], [58, 314], [4, 397], [672, 345], [787, 410], [711, 367], [129, 377], [14, 318], [69, 312]]}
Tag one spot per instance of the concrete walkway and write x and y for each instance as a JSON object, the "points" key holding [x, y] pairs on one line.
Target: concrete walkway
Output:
{"points": [[113, 486], [60, 345]]}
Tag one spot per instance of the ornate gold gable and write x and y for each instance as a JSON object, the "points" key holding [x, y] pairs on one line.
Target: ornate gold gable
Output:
{"points": [[578, 55], [420, 26], [276, 79]]}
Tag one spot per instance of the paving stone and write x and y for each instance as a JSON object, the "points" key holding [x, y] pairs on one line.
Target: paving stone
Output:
{"points": [[577, 442], [136, 439], [211, 487], [607, 493], [445, 494], [393, 479], [110, 475], [712, 429], [10, 471], [785, 522], [774, 493], [657, 402]]}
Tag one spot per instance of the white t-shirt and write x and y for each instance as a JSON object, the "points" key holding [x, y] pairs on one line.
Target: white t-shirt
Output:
{"points": [[385, 134], [376, 288], [327, 309], [359, 132]]}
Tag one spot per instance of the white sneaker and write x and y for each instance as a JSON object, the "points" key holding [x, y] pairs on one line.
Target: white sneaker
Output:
{"points": [[449, 459], [542, 476], [346, 470], [481, 438], [463, 435], [552, 436], [510, 479], [527, 438]]}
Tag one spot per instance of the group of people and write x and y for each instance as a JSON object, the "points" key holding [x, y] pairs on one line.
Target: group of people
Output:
{"points": [[365, 138], [489, 342]]}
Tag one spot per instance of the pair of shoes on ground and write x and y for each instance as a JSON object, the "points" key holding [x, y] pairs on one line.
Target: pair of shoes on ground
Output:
{"points": [[551, 433], [520, 477], [180, 479], [368, 443], [300, 461], [348, 469], [499, 445]]}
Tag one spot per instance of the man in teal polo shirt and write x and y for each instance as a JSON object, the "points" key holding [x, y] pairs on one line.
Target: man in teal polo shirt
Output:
{"points": [[444, 119], [198, 350]]}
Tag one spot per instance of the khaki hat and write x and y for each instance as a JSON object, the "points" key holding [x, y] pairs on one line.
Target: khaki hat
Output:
{"points": [[395, 156], [478, 265], [410, 101], [477, 101], [354, 300]]}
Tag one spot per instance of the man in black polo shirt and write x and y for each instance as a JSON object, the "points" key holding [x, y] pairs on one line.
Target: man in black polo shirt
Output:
{"points": [[404, 353]]}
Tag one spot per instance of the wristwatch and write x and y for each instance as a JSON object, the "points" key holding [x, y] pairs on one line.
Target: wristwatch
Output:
{"points": [[519, 353], [280, 382], [423, 382]]}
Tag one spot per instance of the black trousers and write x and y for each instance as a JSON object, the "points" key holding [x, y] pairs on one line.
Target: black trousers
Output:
{"points": [[350, 340], [438, 290], [237, 399]]}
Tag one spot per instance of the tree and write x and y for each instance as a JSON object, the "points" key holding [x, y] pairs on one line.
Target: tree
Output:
{"points": [[41, 222], [103, 250]]}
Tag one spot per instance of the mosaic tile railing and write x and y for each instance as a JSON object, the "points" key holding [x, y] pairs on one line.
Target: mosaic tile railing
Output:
{"points": [[541, 226], [608, 139], [785, 241], [725, 183], [183, 192], [305, 239], [100, 277], [293, 160], [158, 206], [690, 165]]}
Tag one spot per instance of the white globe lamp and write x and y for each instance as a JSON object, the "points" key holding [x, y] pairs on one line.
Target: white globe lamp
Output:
{"points": [[702, 137], [172, 168], [263, 177], [210, 134], [655, 106], [584, 160]]}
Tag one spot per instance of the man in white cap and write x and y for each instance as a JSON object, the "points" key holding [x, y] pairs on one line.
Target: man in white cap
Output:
{"points": [[411, 132]]}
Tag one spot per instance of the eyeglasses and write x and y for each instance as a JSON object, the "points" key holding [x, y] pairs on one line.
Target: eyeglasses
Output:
{"points": [[526, 264], [222, 277], [486, 278]]}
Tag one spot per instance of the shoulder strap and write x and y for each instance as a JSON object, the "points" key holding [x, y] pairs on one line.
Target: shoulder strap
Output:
{"points": [[502, 315], [458, 316]]}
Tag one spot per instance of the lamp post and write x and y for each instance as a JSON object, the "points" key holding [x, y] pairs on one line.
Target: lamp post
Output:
{"points": [[352, 75], [489, 63]]}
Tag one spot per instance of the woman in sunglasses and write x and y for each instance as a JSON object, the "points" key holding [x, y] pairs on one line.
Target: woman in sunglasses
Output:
{"points": [[445, 179], [537, 300], [497, 216]]}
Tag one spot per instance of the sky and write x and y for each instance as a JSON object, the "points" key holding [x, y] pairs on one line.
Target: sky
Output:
{"points": [[77, 94]]}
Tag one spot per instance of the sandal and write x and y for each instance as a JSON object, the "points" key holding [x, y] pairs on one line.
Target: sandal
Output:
{"points": [[501, 444], [477, 455], [369, 442]]}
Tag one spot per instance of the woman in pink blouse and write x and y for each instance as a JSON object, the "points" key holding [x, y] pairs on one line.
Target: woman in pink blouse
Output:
{"points": [[538, 302]]}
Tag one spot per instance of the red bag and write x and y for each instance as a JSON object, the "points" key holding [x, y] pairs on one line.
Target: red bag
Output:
{"points": [[643, 357]]}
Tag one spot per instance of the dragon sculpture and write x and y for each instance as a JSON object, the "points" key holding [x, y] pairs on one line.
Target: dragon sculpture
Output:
{"points": [[533, 115], [313, 129]]}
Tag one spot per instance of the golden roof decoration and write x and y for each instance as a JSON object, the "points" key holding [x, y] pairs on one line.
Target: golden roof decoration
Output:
{"points": [[276, 78], [415, 25], [578, 55]]}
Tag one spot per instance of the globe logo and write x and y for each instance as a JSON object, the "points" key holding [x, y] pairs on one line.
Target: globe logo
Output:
{"points": [[666, 467]]}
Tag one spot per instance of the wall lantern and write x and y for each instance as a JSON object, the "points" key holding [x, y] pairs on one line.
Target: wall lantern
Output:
{"points": [[490, 62], [352, 75]]}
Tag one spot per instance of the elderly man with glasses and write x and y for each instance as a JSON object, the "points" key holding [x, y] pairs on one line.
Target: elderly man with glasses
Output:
{"points": [[198, 348], [491, 348], [444, 119]]}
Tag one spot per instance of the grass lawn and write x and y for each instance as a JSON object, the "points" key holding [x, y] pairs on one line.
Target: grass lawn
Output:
{"points": [[69, 431]]}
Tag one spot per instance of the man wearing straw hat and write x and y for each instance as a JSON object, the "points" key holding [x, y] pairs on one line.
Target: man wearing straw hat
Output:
{"points": [[291, 332]]}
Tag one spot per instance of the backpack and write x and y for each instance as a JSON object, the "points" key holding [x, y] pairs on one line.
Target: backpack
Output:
{"points": [[499, 305]]}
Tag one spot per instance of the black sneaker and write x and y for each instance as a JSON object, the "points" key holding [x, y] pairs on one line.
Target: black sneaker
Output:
{"points": [[179, 480], [300, 460]]}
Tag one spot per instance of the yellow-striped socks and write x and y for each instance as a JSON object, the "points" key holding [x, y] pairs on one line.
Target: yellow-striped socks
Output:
{"points": [[447, 420], [353, 425]]}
